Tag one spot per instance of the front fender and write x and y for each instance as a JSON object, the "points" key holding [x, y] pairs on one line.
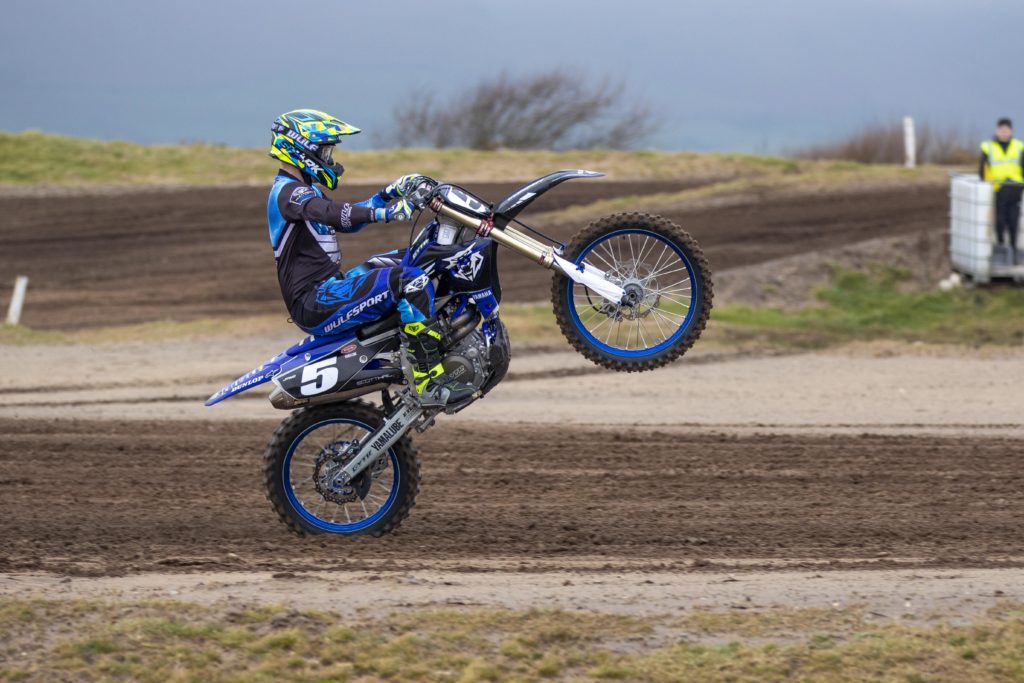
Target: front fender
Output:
{"points": [[509, 207]]}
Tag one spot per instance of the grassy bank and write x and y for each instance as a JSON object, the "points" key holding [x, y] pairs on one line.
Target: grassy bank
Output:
{"points": [[181, 642], [876, 304], [36, 158]]}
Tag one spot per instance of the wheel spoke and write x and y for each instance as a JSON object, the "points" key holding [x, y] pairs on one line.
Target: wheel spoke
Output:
{"points": [[640, 256], [657, 264], [606, 262], [656, 283], [594, 313], [672, 290], [629, 241], [675, 301], [663, 272], [666, 316], [658, 322], [618, 324], [595, 329], [611, 253]]}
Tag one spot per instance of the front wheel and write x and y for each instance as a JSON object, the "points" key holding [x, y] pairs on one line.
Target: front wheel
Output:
{"points": [[667, 281], [300, 466]]}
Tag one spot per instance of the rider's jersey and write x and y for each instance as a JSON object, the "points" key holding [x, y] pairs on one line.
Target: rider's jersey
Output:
{"points": [[302, 226]]}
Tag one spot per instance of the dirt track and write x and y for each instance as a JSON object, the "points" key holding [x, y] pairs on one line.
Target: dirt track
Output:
{"points": [[164, 254], [107, 497], [105, 260]]}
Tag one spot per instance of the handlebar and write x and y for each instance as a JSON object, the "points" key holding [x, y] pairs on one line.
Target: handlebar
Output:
{"points": [[422, 192]]}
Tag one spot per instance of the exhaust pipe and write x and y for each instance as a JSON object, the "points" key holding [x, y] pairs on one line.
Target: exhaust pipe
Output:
{"points": [[376, 380]]}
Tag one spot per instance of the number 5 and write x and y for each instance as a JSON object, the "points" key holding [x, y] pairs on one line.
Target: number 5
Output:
{"points": [[319, 377]]}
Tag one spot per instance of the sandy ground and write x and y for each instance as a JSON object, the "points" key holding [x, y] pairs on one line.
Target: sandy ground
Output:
{"points": [[889, 595], [874, 389], [767, 498]]}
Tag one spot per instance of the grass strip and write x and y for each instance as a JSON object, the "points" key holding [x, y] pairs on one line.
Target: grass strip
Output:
{"points": [[168, 641], [878, 303]]}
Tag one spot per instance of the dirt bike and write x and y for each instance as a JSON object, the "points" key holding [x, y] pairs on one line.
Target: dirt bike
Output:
{"points": [[631, 292]]}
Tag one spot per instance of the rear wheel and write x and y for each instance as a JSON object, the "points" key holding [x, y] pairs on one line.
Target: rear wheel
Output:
{"points": [[299, 473], [667, 280]]}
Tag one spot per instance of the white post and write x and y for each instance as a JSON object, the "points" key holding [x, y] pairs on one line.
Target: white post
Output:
{"points": [[909, 142], [17, 300]]}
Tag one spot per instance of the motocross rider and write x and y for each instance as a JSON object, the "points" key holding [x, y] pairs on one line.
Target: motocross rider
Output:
{"points": [[321, 298]]}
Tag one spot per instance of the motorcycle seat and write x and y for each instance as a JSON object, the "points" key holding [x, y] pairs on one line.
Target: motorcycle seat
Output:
{"points": [[371, 329], [309, 344], [386, 324]]}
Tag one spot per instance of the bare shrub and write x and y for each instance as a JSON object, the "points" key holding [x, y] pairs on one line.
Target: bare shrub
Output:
{"points": [[554, 110], [883, 144]]}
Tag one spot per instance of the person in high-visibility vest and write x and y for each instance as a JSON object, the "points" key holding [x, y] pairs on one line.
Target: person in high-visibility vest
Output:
{"points": [[1002, 164]]}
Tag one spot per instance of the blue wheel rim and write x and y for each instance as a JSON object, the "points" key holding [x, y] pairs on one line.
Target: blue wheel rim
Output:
{"points": [[633, 353], [327, 525]]}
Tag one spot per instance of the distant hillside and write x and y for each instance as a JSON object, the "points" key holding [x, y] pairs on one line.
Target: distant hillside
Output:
{"points": [[37, 158]]}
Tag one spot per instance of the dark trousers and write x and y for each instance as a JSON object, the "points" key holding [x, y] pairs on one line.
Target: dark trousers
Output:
{"points": [[1008, 213]]}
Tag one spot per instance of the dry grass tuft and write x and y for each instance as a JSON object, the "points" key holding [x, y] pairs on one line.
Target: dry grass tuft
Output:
{"points": [[93, 641]]}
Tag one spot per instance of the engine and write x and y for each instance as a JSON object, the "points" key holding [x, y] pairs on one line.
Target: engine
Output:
{"points": [[473, 362]]}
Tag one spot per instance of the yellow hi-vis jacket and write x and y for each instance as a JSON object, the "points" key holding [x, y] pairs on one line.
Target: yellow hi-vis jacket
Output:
{"points": [[1003, 166]]}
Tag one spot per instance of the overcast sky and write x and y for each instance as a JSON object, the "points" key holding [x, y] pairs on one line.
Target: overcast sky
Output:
{"points": [[736, 75]]}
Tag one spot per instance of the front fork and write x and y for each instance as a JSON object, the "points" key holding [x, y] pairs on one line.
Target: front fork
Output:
{"points": [[543, 254]]}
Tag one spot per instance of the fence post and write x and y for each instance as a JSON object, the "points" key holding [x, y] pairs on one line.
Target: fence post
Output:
{"points": [[909, 142], [17, 300]]}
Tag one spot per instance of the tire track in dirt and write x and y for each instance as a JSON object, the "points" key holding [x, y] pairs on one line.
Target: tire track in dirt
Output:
{"points": [[110, 497], [178, 255]]}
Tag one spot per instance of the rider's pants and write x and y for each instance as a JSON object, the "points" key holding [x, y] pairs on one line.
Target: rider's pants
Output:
{"points": [[364, 295]]}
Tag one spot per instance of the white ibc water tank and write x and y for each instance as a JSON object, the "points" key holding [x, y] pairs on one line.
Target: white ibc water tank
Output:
{"points": [[970, 231]]}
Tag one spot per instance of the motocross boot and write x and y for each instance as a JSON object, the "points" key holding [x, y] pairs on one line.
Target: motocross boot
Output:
{"points": [[434, 387]]}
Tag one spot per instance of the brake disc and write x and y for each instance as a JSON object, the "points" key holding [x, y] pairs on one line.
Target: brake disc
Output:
{"points": [[331, 460], [642, 300]]}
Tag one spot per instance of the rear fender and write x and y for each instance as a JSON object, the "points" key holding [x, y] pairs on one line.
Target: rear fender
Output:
{"points": [[251, 379], [308, 350]]}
